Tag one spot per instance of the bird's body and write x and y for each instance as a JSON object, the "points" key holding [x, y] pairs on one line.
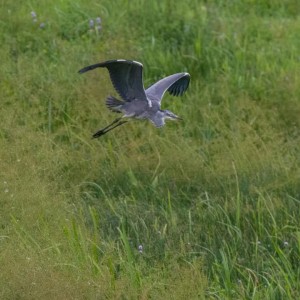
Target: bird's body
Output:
{"points": [[139, 110], [137, 102]]}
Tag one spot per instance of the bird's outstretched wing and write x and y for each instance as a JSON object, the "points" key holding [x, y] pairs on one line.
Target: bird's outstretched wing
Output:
{"points": [[175, 84], [126, 77]]}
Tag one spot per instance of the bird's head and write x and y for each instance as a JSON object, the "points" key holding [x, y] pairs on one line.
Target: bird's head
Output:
{"points": [[171, 116]]}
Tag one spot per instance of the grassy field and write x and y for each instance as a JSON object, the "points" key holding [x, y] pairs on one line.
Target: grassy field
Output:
{"points": [[207, 208]]}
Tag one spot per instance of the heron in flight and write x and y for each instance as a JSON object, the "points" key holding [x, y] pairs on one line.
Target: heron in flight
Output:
{"points": [[138, 103]]}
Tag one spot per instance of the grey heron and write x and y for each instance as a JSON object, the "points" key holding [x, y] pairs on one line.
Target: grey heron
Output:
{"points": [[127, 79]]}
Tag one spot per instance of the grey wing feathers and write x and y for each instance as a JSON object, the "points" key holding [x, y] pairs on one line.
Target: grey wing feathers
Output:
{"points": [[126, 77], [175, 84], [114, 104]]}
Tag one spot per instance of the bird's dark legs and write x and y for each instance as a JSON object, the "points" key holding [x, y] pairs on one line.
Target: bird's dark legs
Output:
{"points": [[114, 122], [103, 130], [109, 128]]}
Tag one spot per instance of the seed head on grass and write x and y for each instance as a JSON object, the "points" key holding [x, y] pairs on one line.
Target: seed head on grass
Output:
{"points": [[98, 22], [91, 24], [34, 20], [95, 25], [33, 16], [140, 248]]}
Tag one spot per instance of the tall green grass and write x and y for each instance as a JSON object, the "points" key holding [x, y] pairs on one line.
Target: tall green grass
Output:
{"points": [[204, 209]]}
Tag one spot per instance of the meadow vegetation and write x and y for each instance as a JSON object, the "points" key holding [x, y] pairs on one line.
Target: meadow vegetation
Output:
{"points": [[207, 208]]}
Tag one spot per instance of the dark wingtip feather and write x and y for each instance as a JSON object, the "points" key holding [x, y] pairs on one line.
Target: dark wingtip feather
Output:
{"points": [[180, 86], [107, 63], [91, 67]]}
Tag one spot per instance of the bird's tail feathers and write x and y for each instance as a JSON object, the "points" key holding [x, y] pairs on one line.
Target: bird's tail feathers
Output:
{"points": [[114, 104]]}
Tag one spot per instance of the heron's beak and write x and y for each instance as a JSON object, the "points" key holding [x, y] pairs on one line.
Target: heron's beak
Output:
{"points": [[178, 118]]}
